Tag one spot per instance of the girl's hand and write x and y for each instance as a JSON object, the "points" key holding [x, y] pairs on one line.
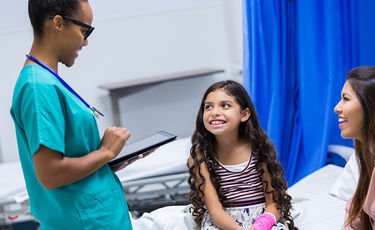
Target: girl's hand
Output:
{"points": [[252, 227], [128, 162], [113, 141]]}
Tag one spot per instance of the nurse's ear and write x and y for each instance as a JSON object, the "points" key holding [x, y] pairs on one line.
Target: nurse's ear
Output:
{"points": [[57, 22]]}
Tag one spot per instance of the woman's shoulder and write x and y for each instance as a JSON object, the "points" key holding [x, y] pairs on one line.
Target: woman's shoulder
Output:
{"points": [[372, 183], [35, 75], [35, 82], [369, 204], [31, 69]]}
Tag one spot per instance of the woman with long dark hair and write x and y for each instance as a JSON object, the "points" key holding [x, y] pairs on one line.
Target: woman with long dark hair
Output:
{"points": [[356, 112]]}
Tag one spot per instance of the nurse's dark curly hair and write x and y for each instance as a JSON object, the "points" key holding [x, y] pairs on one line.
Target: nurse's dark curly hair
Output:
{"points": [[204, 142]]}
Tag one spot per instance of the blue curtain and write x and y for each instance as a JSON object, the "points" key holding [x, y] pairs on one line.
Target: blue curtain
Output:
{"points": [[296, 57]]}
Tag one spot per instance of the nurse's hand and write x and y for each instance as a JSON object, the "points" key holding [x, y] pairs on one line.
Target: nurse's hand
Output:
{"points": [[128, 162], [113, 141]]}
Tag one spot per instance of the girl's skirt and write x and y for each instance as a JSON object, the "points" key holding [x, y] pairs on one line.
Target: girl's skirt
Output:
{"points": [[244, 214]]}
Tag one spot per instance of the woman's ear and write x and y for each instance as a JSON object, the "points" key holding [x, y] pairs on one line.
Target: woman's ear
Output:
{"points": [[57, 22], [245, 114]]}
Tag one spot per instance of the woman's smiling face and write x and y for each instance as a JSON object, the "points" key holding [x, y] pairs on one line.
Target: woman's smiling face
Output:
{"points": [[350, 111]]}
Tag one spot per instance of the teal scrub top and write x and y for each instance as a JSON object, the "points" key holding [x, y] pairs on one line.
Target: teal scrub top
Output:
{"points": [[46, 113]]}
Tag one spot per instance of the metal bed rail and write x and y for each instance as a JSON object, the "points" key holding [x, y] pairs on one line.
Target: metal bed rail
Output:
{"points": [[148, 194]]}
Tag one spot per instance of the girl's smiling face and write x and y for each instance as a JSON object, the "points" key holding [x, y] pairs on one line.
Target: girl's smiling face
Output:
{"points": [[350, 111], [222, 114]]}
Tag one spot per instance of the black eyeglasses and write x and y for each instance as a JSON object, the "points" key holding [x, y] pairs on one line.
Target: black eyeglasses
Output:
{"points": [[78, 23]]}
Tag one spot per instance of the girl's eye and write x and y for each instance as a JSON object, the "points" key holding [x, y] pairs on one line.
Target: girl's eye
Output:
{"points": [[345, 99], [226, 105], [206, 107]]}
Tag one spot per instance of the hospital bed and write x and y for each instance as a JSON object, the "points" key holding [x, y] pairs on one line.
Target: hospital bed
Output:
{"points": [[159, 180], [313, 206], [14, 202], [318, 200]]}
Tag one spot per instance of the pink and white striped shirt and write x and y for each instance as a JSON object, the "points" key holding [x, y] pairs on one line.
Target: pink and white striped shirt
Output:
{"points": [[241, 182]]}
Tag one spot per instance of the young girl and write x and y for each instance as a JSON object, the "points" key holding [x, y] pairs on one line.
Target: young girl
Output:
{"points": [[356, 120], [235, 179]]}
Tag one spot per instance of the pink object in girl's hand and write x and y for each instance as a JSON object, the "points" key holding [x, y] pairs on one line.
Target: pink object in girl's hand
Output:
{"points": [[264, 221]]}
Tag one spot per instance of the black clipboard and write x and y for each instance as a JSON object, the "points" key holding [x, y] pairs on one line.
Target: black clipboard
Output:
{"points": [[142, 146]]}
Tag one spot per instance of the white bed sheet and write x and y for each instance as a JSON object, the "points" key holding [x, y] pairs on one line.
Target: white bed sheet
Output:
{"points": [[168, 159], [14, 205], [166, 218], [314, 208], [12, 184]]}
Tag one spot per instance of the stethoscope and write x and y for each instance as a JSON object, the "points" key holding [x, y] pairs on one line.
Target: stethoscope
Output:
{"points": [[93, 109]]}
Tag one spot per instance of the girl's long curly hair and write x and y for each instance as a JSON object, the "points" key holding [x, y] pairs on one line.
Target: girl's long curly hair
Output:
{"points": [[261, 146]]}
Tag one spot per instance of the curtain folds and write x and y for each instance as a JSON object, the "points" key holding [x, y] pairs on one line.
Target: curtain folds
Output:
{"points": [[296, 57]]}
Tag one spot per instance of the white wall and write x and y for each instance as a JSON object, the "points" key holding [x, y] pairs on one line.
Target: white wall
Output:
{"points": [[132, 39]]}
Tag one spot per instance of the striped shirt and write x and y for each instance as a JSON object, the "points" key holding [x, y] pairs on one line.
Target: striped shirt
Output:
{"points": [[243, 184]]}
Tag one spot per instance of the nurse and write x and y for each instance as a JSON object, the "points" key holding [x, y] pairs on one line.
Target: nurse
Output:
{"points": [[63, 158]]}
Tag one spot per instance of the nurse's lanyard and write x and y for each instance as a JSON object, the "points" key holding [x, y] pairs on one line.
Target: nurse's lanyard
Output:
{"points": [[93, 109]]}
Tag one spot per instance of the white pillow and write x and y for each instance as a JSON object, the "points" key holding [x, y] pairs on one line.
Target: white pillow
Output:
{"points": [[345, 185]]}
